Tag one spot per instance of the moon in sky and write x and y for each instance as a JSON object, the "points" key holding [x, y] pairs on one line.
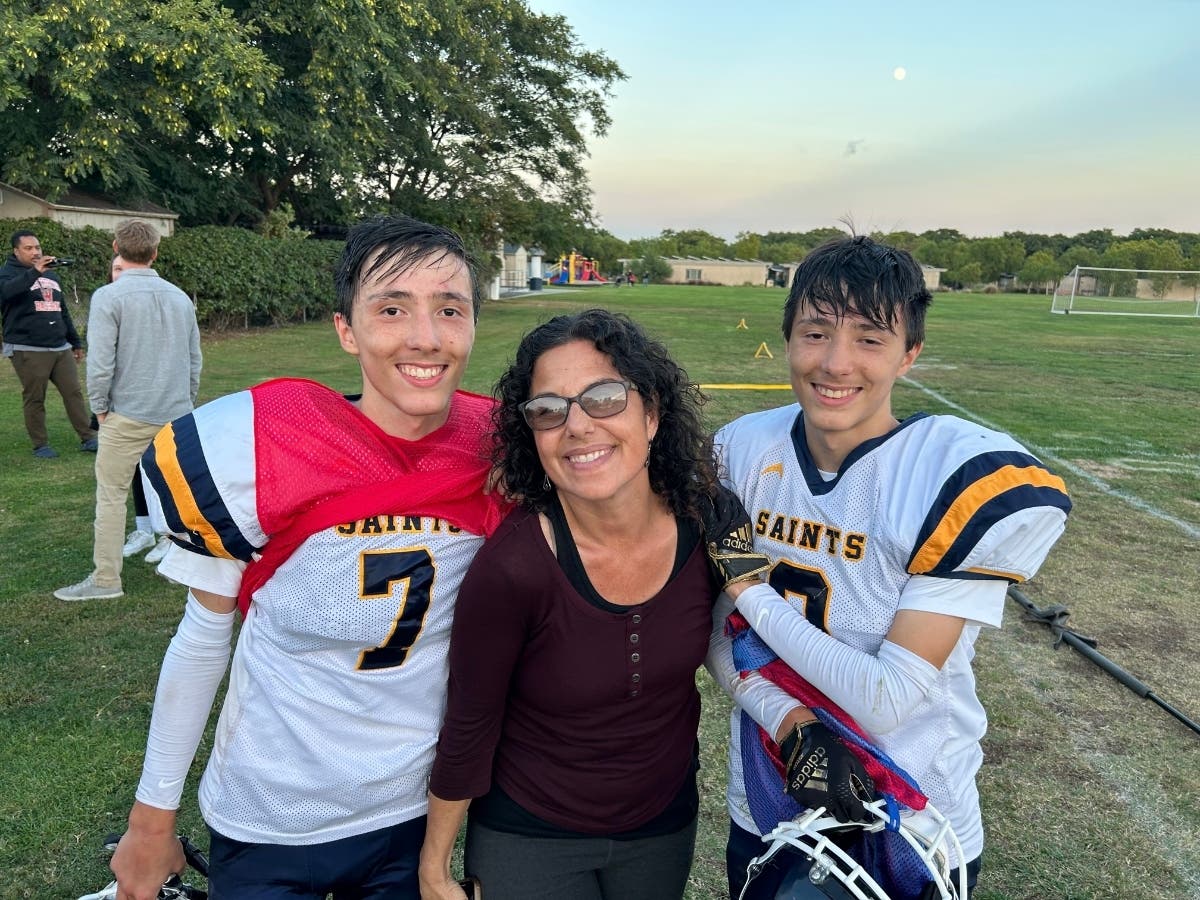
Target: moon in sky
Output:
{"points": [[899, 73]]}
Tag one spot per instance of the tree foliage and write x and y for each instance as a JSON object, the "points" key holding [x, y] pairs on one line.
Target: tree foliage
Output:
{"points": [[455, 110], [498, 110], [1040, 269], [652, 267], [747, 245], [92, 92]]}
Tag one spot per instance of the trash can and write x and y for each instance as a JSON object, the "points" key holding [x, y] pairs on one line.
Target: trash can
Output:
{"points": [[535, 284]]}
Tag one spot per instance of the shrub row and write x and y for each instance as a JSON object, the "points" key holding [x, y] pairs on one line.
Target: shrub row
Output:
{"points": [[238, 278]]}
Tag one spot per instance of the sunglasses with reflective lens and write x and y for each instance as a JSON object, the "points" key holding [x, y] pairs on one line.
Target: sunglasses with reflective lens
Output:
{"points": [[601, 400]]}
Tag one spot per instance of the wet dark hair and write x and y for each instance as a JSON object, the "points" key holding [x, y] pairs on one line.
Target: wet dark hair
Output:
{"points": [[682, 471], [386, 246], [858, 275]]}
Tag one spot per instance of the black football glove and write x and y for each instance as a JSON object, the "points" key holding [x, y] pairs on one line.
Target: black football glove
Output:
{"points": [[729, 540], [822, 771]]}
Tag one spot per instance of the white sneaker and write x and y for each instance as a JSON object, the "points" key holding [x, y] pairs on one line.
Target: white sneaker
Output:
{"points": [[137, 542], [88, 590], [159, 551]]}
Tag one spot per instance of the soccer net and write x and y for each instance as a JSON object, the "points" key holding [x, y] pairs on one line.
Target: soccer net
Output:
{"points": [[1128, 292]]}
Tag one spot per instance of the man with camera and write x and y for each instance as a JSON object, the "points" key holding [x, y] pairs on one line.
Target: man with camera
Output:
{"points": [[41, 341]]}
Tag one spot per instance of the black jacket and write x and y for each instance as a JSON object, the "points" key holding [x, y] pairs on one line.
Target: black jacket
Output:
{"points": [[33, 308]]}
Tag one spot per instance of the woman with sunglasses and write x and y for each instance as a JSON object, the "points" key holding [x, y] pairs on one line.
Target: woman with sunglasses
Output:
{"points": [[572, 711]]}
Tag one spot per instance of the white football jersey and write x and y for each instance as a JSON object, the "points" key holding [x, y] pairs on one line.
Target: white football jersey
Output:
{"points": [[938, 497], [338, 680]]}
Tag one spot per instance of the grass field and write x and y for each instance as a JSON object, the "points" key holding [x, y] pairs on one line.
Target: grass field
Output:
{"points": [[1088, 791]]}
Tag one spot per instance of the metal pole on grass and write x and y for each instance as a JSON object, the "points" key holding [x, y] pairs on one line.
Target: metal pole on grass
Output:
{"points": [[1056, 618]]}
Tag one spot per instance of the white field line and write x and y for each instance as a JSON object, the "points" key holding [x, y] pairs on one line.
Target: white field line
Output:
{"points": [[1104, 487]]}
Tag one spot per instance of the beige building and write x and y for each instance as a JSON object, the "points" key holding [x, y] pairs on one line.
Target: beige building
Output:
{"points": [[736, 272], [933, 277], [75, 209], [709, 270]]}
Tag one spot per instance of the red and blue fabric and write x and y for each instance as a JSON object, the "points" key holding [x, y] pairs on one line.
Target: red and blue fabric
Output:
{"points": [[884, 855]]}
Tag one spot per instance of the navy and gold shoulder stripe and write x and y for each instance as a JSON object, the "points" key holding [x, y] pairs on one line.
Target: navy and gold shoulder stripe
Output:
{"points": [[985, 490], [179, 474]]}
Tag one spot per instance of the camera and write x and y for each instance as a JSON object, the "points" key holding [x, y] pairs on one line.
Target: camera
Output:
{"points": [[60, 261]]}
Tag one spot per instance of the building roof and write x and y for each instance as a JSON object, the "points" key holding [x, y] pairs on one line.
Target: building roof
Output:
{"points": [[75, 199], [716, 259]]}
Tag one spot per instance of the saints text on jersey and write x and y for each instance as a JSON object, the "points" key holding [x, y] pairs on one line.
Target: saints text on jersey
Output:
{"points": [[397, 525], [808, 535]]}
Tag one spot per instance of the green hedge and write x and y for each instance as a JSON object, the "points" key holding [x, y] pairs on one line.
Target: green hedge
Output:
{"points": [[241, 278], [238, 278]]}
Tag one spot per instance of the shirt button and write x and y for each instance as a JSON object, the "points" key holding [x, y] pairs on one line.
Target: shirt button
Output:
{"points": [[633, 693], [633, 638], [635, 657], [636, 677], [637, 619]]}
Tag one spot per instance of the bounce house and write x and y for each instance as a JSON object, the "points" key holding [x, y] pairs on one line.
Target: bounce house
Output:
{"points": [[575, 269]]}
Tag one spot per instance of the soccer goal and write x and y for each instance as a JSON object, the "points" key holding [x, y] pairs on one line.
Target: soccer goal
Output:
{"points": [[1128, 292]]}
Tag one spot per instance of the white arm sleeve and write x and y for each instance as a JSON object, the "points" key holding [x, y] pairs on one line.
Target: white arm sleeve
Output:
{"points": [[191, 671], [878, 691], [766, 702]]}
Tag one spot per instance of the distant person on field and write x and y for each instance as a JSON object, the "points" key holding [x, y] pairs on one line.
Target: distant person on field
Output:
{"points": [[142, 536], [144, 371], [41, 341], [893, 542]]}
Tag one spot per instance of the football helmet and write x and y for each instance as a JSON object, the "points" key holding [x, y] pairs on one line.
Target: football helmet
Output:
{"points": [[922, 843]]}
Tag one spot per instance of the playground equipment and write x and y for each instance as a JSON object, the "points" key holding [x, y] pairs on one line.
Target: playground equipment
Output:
{"points": [[575, 269]]}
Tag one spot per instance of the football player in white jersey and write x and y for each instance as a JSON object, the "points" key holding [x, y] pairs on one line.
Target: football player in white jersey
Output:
{"points": [[891, 543], [341, 527]]}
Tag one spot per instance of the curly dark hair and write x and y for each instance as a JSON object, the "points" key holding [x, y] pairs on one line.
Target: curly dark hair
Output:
{"points": [[682, 470]]}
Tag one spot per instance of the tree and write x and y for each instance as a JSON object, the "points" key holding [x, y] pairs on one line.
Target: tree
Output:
{"points": [[1077, 255], [454, 110], [1040, 269], [1055, 243], [652, 267], [1159, 256], [783, 247], [943, 235], [903, 240], [934, 253], [747, 245], [966, 275], [696, 242], [997, 256], [91, 93], [499, 103], [1192, 279], [1097, 239]]}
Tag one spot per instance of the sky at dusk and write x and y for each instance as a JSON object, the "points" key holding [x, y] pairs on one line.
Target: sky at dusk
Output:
{"points": [[784, 116]]}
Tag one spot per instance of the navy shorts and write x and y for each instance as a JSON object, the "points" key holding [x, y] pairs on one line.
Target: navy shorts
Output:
{"points": [[377, 864]]}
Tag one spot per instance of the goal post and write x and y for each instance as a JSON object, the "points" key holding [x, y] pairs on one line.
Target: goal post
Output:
{"points": [[1095, 291]]}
